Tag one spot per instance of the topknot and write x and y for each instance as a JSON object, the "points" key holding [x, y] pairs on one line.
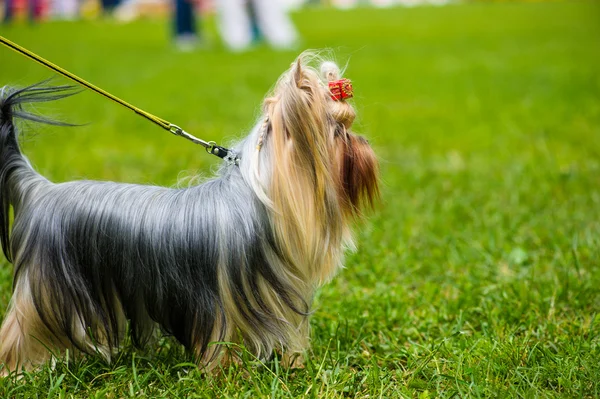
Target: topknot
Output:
{"points": [[330, 71], [342, 111]]}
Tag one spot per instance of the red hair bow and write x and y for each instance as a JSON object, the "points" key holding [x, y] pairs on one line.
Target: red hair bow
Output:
{"points": [[341, 89]]}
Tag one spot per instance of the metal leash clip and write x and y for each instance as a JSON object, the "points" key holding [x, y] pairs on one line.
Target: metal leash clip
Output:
{"points": [[211, 147], [176, 130]]}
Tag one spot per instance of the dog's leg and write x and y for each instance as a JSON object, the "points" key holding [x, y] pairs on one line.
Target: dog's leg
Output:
{"points": [[294, 358], [26, 341], [94, 340], [24, 338], [11, 343]]}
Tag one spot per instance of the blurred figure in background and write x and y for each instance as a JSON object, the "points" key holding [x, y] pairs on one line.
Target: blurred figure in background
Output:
{"points": [[108, 6], [34, 9], [242, 22], [64, 9], [186, 36], [7, 9]]}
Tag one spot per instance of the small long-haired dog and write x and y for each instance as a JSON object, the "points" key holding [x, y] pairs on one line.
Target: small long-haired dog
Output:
{"points": [[236, 259]]}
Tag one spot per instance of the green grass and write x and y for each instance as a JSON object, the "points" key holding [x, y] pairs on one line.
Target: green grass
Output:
{"points": [[478, 276]]}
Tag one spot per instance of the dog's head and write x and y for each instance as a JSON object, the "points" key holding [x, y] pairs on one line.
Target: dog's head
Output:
{"points": [[314, 172], [355, 163]]}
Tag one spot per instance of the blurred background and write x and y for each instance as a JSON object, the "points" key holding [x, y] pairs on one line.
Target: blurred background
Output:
{"points": [[130, 9], [478, 273], [429, 74]]}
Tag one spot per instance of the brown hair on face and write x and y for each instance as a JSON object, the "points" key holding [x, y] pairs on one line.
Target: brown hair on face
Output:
{"points": [[358, 168]]}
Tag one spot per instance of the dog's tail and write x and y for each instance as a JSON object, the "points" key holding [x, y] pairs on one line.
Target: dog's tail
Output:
{"points": [[14, 167]]}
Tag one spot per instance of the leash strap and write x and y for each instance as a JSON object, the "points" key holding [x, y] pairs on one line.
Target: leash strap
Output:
{"points": [[211, 147]]}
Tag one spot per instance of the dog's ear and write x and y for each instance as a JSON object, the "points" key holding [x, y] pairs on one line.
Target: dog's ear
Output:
{"points": [[358, 174], [297, 73], [298, 111], [301, 79]]}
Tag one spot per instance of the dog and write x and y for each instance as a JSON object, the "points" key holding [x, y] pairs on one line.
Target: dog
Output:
{"points": [[235, 259]]}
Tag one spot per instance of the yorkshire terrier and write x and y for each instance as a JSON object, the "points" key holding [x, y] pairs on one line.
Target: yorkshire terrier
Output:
{"points": [[236, 259]]}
